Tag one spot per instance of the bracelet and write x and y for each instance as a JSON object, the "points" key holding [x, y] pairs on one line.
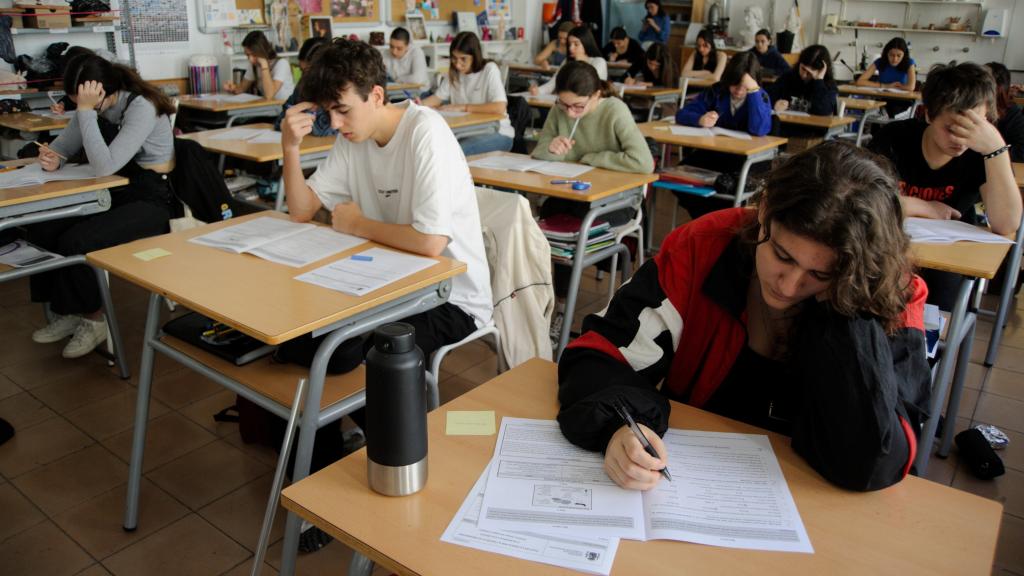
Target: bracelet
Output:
{"points": [[997, 152]]}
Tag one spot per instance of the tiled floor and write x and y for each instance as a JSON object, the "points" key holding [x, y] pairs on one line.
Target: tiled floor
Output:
{"points": [[62, 478]]}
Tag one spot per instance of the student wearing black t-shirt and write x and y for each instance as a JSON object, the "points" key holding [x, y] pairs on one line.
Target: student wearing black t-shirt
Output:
{"points": [[953, 159], [622, 48]]}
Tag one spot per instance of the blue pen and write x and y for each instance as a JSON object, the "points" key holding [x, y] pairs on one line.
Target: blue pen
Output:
{"points": [[565, 181], [362, 258], [408, 95]]}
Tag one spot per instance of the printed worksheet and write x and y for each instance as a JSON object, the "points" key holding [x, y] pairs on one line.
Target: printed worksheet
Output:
{"points": [[307, 247], [367, 271]]}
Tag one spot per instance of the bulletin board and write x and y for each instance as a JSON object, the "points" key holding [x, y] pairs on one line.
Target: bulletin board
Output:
{"points": [[445, 8], [342, 11]]}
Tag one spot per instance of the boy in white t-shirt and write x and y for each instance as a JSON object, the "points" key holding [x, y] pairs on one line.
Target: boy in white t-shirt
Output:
{"points": [[405, 62], [395, 175]]}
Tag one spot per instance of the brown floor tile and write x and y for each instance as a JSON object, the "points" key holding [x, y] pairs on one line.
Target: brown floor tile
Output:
{"points": [[1006, 383], [245, 568], [187, 547], [240, 513], [41, 444], [1001, 411], [167, 438], [73, 479], [331, 559], [97, 524], [258, 452], [1007, 489], [202, 411], [454, 387], [976, 374], [1007, 358], [207, 473], [33, 370], [465, 357], [19, 513], [24, 410], [1009, 552], [8, 387], [66, 394], [943, 470], [19, 349], [42, 550], [183, 387], [94, 570], [113, 415], [482, 372]]}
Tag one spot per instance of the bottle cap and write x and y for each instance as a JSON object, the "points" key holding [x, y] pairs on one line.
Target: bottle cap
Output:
{"points": [[395, 338]]}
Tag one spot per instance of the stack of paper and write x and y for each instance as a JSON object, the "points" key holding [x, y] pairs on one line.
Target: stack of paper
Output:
{"points": [[367, 271], [563, 230], [251, 135], [707, 132], [928, 231], [540, 97], [19, 254], [280, 241], [727, 490], [522, 163]]}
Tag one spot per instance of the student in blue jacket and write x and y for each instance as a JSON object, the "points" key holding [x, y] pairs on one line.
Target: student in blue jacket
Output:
{"points": [[768, 56], [322, 124], [656, 25], [736, 102]]}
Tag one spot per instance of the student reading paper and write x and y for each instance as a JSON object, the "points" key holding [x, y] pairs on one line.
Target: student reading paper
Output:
{"points": [[405, 62], [801, 316], [121, 125], [270, 74], [395, 176]]}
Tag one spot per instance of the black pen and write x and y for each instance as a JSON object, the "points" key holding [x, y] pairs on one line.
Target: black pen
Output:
{"points": [[620, 407]]}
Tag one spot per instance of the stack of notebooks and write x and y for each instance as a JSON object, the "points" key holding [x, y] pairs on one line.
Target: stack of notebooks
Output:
{"points": [[689, 179], [563, 230]]}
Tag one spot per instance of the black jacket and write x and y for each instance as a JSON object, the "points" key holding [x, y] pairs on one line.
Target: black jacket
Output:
{"points": [[1011, 126], [816, 97], [196, 182]]}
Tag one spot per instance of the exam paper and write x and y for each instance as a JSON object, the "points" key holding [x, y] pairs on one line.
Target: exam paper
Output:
{"points": [[243, 97], [20, 254], [452, 113], [375, 268], [518, 163], [33, 175], [541, 97], [928, 231], [298, 250], [796, 113], [237, 134], [266, 137], [591, 555], [716, 131], [252, 234]]}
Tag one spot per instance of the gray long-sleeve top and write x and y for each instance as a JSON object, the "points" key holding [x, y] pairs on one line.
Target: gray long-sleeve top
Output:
{"points": [[144, 136]]}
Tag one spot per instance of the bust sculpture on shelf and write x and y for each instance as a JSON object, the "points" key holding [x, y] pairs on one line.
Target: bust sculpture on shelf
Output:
{"points": [[753, 20]]}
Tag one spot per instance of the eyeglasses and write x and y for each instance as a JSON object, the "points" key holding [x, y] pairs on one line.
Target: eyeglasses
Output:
{"points": [[573, 107]]}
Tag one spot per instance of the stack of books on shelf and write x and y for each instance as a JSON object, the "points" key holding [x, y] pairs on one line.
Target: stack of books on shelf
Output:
{"points": [[563, 230]]}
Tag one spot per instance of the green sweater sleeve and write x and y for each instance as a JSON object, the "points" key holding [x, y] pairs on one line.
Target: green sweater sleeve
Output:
{"points": [[625, 149], [547, 134]]}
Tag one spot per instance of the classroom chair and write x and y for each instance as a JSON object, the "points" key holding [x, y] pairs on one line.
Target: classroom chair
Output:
{"points": [[433, 374]]}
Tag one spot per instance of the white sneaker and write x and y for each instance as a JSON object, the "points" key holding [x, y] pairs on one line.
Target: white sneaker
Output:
{"points": [[88, 335], [59, 329], [557, 319]]}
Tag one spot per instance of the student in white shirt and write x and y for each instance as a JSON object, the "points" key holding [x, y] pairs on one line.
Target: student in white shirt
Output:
{"points": [[582, 48], [474, 84], [274, 74], [405, 63], [394, 176]]}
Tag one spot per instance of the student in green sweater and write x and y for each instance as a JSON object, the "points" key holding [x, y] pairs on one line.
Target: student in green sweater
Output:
{"points": [[590, 126]]}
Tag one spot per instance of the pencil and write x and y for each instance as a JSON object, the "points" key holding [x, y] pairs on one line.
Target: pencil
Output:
{"points": [[575, 124], [58, 154]]}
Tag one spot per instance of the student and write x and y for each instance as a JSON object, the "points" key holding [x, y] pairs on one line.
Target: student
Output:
{"points": [[768, 56], [656, 25], [588, 125], [322, 124], [657, 69], [556, 51], [801, 316], [395, 176], [736, 102], [952, 159], [809, 87], [65, 104], [474, 84], [622, 48], [896, 69], [122, 125], [275, 74], [582, 48], [705, 61], [1011, 118], [406, 63]]}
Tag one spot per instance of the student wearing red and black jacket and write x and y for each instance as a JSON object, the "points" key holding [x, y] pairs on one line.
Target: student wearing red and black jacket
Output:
{"points": [[802, 316]]}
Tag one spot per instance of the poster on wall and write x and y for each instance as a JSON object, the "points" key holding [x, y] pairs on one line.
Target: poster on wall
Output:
{"points": [[498, 10], [352, 8], [158, 26], [311, 6]]}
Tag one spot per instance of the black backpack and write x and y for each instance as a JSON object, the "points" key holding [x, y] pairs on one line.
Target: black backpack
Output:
{"points": [[196, 181], [520, 115]]}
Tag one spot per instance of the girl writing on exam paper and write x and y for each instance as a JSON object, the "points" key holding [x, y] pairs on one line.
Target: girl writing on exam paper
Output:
{"points": [[121, 126], [582, 48], [590, 126], [802, 316], [657, 69], [705, 61], [736, 102], [895, 69], [271, 75]]}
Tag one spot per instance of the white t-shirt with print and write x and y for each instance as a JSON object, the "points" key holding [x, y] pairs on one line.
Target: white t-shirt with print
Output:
{"points": [[419, 178], [481, 87], [280, 71], [410, 68], [599, 64]]}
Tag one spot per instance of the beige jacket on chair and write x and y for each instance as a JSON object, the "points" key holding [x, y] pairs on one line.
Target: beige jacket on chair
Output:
{"points": [[520, 260]]}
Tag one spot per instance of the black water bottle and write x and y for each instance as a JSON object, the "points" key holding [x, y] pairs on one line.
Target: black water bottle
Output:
{"points": [[396, 412]]}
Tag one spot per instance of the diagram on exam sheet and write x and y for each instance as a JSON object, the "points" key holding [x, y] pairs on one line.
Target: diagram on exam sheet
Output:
{"points": [[554, 496]]}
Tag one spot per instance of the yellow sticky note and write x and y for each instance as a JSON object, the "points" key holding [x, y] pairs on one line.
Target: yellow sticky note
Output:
{"points": [[470, 423], [151, 254]]}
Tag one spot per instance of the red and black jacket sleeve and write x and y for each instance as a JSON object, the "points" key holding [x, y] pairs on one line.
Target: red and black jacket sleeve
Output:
{"points": [[863, 395]]}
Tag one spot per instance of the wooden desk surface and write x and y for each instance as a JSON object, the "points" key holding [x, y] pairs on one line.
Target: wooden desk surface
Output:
{"points": [[30, 122], [23, 194], [14, 91], [877, 93], [221, 105], [660, 132], [1019, 100], [472, 119], [1018, 173], [621, 64], [914, 527], [603, 183], [522, 67], [862, 103], [816, 121], [403, 86], [653, 92], [269, 152], [255, 296], [968, 258], [699, 82]]}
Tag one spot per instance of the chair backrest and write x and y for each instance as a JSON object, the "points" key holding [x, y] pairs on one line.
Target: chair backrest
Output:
{"points": [[174, 116]]}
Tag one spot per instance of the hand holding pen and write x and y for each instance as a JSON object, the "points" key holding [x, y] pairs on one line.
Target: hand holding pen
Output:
{"points": [[632, 457]]}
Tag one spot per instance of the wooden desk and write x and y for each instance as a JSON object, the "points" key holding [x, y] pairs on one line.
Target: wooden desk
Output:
{"points": [[531, 71], [685, 83], [312, 150], [30, 122], [261, 299], [397, 90], [27, 205], [914, 527], [883, 94], [474, 123], [655, 94], [862, 103], [610, 191], [1018, 173], [218, 111], [832, 125]]}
